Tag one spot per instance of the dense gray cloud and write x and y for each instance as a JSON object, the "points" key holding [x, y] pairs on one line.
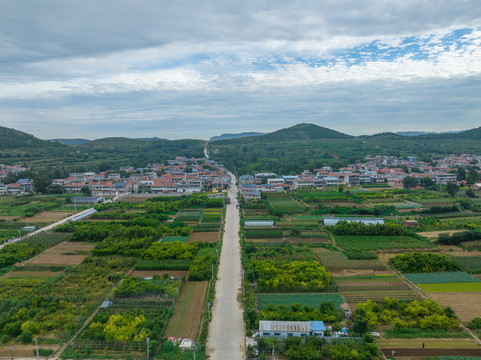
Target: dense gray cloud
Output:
{"points": [[181, 69]]}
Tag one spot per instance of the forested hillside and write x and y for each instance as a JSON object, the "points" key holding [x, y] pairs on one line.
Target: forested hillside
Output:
{"points": [[306, 146]]}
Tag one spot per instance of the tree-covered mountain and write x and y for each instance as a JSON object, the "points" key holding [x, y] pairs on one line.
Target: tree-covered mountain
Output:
{"points": [[307, 146], [12, 139], [304, 132], [17, 147]]}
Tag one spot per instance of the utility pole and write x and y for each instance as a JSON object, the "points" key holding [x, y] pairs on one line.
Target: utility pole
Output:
{"points": [[212, 272], [36, 347], [148, 355]]}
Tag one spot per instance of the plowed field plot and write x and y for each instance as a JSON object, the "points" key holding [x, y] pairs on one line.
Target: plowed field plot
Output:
{"points": [[337, 261], [441, 278], [428, 343], [150, 273], [307, 240], [49, 216], [353, 297], [22, 351], [185, 321], [433, 235], [466, 305], [410, 353], [361, 288], [369, 280], [65, 253], [133, 199], [304, 299], [205, 237]]}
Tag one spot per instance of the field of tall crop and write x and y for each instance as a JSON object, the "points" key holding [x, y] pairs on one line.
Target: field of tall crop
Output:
{"points": [[366, 243]]}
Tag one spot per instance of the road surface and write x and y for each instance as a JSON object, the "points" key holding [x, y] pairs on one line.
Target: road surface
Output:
{"points": [[226, 332]]}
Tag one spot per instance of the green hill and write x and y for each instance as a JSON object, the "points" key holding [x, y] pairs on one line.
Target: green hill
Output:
{"points": [[304, 132], [14, 140]]}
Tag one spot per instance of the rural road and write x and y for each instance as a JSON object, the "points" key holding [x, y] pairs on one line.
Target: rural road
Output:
{"points": [[226, 332]]}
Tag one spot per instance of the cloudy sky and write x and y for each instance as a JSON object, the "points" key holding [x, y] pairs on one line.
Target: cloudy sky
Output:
{"points": [[194, 69]]}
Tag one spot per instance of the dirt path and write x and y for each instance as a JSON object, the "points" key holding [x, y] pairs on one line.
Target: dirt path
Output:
{"points": [[226, 332]]}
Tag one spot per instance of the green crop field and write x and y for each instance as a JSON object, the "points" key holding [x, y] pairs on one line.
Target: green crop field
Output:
{"points": [[365, 243], [304, 299], [441, 278], [451, 287], [166, 239], [471, 264], [285, 204]]}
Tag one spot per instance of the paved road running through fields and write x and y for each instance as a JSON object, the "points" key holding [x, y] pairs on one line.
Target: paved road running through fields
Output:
{"points": [[226, 332]]}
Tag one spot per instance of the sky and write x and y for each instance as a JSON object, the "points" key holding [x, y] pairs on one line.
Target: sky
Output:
{"points": [[195, 69]]}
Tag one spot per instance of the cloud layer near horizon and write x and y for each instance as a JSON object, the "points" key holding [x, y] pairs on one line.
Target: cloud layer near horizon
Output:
{"points": [[179, 69]]}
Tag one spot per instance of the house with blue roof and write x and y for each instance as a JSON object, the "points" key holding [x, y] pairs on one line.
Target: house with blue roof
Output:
{"points": [[283, 329]]}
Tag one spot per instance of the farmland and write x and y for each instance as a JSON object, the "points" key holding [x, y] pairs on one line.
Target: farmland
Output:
{"points": [[367, 243], [441, 278], [451, 287], [303, 299], [471, 264], [185, 321], [84, 263]]}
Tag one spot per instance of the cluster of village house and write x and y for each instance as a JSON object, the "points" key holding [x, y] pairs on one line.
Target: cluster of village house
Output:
{"points": [[182, 175], [191, 175], [374, 170]]}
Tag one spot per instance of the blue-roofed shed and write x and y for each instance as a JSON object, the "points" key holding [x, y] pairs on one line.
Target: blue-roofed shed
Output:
{"points": [[317, 328]]}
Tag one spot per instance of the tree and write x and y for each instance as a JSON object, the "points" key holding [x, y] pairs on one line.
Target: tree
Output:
{"points": [[470, 193], [427, 181], [452, 189], [86, 190], [461, 173], [42, 183], [472, 177], [410, 182]]}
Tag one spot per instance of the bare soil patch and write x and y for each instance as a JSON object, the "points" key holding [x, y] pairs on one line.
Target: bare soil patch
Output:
{"points": [[466, 305], [206, 237], [319, 250], [369, 283], [434, 234], [428, 343], [49, 216], [31, 274], [133, 199], [24, 351], [359, 272], [185, 321], [9, 218], [418, 352], [65, 253], [150, 273]]}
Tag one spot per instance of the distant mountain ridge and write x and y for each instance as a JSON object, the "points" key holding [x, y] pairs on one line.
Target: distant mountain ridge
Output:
{"points": [[236, 136], [71, 142], [149, 139], [419, 133]]}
